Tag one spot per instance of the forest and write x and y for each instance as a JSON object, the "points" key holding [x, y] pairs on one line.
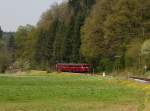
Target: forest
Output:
{"points": [[110, 34]]}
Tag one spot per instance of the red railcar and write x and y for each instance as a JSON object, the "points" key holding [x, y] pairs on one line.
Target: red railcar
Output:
{"points": [[78, 68]]}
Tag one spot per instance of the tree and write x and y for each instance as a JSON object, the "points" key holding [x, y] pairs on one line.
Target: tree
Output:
{"points": [[11, 46], [146, 52], [146, 48], [44, 45], [1, 33], [5, 58], [93, 39], [5, 61], [133, 54], [80, 12], [24, 45]]}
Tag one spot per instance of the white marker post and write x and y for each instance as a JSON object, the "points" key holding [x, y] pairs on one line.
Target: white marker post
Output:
{"points": [[104, 74]]}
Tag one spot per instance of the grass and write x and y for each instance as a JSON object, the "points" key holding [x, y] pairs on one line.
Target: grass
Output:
{"points": [[67, 92]]}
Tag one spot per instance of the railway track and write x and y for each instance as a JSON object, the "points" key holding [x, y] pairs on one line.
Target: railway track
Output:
{"points": [[140, 79]]}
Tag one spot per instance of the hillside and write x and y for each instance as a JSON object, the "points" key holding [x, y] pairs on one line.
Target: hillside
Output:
{"points": [[109, 34]]}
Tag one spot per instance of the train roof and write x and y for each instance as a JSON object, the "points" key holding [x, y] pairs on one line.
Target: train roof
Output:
{"points": [[73, 64]]}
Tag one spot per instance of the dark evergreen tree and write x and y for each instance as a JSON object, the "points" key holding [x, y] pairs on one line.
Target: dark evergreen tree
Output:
{"points": [[81, 10], [1, 33], [11, 46], [44, 46]]}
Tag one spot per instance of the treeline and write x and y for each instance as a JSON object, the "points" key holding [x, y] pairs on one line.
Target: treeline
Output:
{"points": [[7, 50], [111, 34], [114, 32], [56, 38]]}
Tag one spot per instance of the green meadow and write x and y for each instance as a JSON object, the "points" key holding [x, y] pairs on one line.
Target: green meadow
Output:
{"points": [[68, 92]]}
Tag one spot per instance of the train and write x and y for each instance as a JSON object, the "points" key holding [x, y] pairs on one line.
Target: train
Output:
{"points": [[76, 68]]}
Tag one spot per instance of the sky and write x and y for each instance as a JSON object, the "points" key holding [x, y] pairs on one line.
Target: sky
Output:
{"points": [[14, 13]]}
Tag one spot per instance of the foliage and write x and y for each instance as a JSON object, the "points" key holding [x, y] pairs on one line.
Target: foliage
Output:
{"points": [[133, 54], [146, 52], [5, 58], [25, 39], [111, 27], [146, 48], [1, 33], [106, 33], [58, 36], [5, 61]]}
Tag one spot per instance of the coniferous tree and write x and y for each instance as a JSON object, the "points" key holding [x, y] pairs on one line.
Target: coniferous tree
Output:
{"points": [[1, 33], [11, 45]]}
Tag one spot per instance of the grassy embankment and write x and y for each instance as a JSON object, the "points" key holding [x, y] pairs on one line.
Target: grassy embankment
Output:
{"points": [[67, 92]]}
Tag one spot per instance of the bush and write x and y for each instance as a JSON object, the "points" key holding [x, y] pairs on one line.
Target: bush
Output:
{"points": [[105, 64], [5, 61], [22, 64]]}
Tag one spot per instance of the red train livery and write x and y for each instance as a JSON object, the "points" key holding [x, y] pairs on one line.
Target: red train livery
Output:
{"points": [[77, 68]]}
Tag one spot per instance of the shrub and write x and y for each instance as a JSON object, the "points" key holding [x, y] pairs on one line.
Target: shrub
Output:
{"points": [[5, 61]]}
